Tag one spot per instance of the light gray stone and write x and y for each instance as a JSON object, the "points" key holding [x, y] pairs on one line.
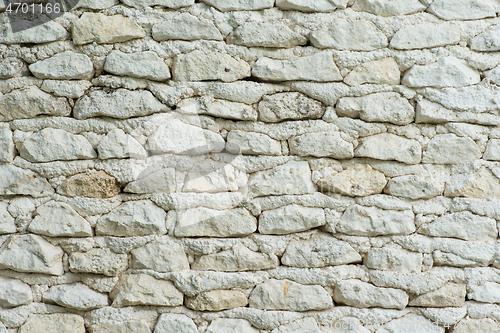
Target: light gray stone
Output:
{"points": [[124, 326], [451, 149], [64, 66], [142, 65], [365, 295], [357, 180], [120, 103], [487, 41], [387, 146], [290, 219], [372, 221], [64, 88], [15, 180], [133, 218], [321, 6], [434, 113], [319, 67], [267, 34], [394, 259], [227, 325], [349, 34], [57, 219], [31, 253], [306, 325], [285, 106], [14, 292], [198, 222], [321, 144], [250, 143], [230, 5], [161, 255], [211, 177], [7, 224], [449, 295], [217, 108], [388, 7], [186, 27], [462, 9], [288, 295], [385, 71], [217, 300], [95, 4], [175, 4], [415, 187], [117, 144], [173, 323], [411, 322], [98, 261], [492, 152], [55, 323], [162, 180], [44, 33], [425, 35], [75, 296], [11, 67]]}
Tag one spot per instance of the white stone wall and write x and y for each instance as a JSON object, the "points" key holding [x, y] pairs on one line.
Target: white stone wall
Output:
{"points": [[288, 166]]}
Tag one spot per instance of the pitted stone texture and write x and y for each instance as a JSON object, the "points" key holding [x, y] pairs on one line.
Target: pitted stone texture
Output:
{"points": [[415, 187], [75, 296], [434, 113], [350, 35], [120, 103], [186, 27], [449, 295], [125, 326], [485, 325], [463, 225], [96, 4], [288, 295], [409, 323], [321, 144], [425, 35], [217, 108], [487, 41], [198, 222], [161, 255], [378, 107], [250, 143], [54, 323], [451, 149], [15, 180], [492, 152], [142, 65], [143, 289], [64, 66], [226, 325], [289, 106], [290, 219], [11, 67], [394, 259], [7, 222], [69, 89], [211, 177], [102, 29], [372, 221], [31, 253], [7, 148], [290, 178], [44, 33], [306, 325], [388, 7], [165, 3], [488, 292], [385, 71], [92, 184], [365, 295], [388, 146], [321, 6], [31, 102], [217, 300], [462, 9], [230, 5], [58, 219], [14, 293], [180, 138], [162, 180], [133, 218], [117, 144], [173, 323], [357, 180], [267, 34], [52, 144], [319, 67], [98, 261], [202, 66]]}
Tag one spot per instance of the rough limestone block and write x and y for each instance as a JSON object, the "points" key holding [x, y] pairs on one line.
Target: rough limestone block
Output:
{"points": [[365, 295], [173, 323], [44, 33], [56, 323], [14, 292], [7, 222], [394, 259], [415, 187], [476, 325], [75, 296], [165, 3], [274, 34], [226, 325], [217, 300], [186, 27], [250, 143], [142, 65], [117, 144], [230, 5], [290, 219], [92, 184], [15, 180], [425, 35], [388, 146], [388, 7], [289, 106], [449, 295], [162, 255], [409, 322], [321, 144], [64, 66], [487, 41], [451, 149], [98, 261], [385, 71], [462, 9], [357, 180]]}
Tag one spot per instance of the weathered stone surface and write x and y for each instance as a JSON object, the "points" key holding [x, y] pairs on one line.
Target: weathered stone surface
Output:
{"points": [[250, 143], [275, 34], [31, 253], [425, 35], [143, 289], [290, 178], [14, 293], [463, 225], [288, 295], [125, 326], [434, 113], [165, 3], [44, 33], [447, 72], [186, 27], [462, 9], [411, 322], [226, 325], [133, 218], [161, 255], [217, 300], [96, 4], [321, 144], [285, 106], [365, 295], [202, 66], [388, 7], [11, 67], [487, 41], [415, 187], [120, 103], [75, 296], [117, 144], [162, 180], [239, 258], [394, 259], [492, 152], [7, 224], [385, 71], [173, 323], [65, 88], [99, 28], [31, 102], [211, 177], [357, 180], [198, 222], [321, 6], [7, 149], [56, 323], [217, 108], [488, 292], [180, 138], [386, 146], [451, 149], [15, 180], [290, 219], [449, 295], [484, 325], [320, 251], [349, 34], [52, 144], [318, 67], [372, 221], [98, 261], [64, 66], [92, 184], [59, 219], [142, 65], [379, 107], [230, 5]]}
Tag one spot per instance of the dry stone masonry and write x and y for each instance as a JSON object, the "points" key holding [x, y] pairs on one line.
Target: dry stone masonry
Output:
{"points": [[251, 166]]}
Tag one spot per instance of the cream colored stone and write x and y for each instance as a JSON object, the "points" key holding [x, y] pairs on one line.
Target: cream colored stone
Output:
{"points": [[161, 255], [451, 149], [365, 295], [93, 184], [387, 146], [415, 187], [321, 144], [290, 219], [357, 180], [267, 34], [54, 323], [385, 71], [411, 322], [289, 106], [217, 300], [485, 325], [449, 295], [394, 259], [425, 35], [98, 261], [186, 27]]}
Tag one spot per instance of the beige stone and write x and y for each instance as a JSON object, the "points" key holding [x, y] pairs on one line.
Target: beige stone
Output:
{"points": [[385, 71], [98, 261], [289, 106], [450, 295], [53, 323], [93, 184], [217, 300], [321, 144], [479, 184], [357, 180], [468, 325]]}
